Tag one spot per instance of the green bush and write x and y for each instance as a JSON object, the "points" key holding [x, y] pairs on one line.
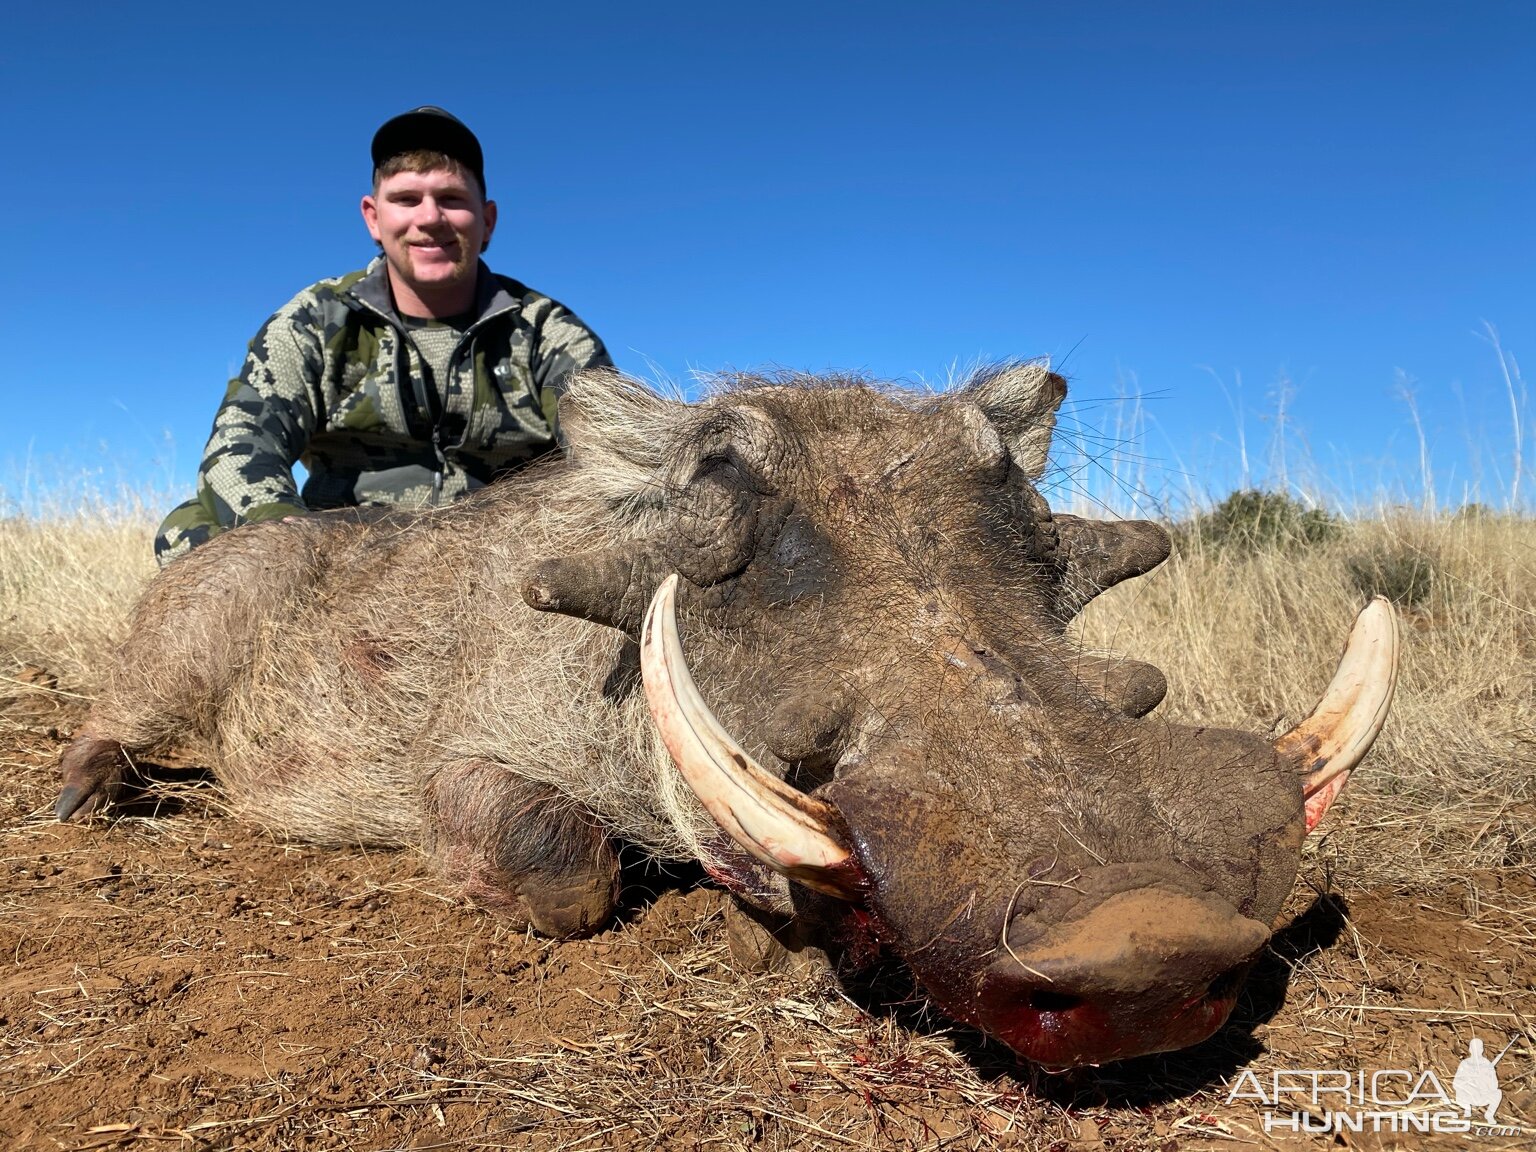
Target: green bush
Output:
{"points": [[1252, 520], [1399, 572]]}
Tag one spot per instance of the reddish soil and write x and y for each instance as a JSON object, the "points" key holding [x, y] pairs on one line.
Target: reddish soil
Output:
{"points": [[183, 981]]}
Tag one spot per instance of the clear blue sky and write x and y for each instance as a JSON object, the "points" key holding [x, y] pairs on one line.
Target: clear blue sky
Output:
{"points": [[1168, 193]]}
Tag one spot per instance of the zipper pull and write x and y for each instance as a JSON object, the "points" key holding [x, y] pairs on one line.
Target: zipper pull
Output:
{"points": [[442, 463]]}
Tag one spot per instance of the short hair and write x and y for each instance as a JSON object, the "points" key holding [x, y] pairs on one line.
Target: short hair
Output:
{"points": [[424, 160]]}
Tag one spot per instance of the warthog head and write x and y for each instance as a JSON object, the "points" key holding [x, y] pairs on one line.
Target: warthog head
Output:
{"points": [[883, 707]]}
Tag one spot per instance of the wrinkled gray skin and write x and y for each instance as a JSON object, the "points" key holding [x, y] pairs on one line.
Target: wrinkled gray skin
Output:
{"points": [[874, 601]]}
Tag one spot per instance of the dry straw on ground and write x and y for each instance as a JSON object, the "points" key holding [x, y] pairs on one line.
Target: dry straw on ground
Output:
{"points": [[179, 981]]}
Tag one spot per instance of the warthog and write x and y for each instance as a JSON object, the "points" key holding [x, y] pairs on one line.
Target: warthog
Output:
{"points": [[880, 730]]}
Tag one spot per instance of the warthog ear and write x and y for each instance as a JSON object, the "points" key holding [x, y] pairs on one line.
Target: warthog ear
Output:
{"points": [[606, 417], [1021, 401]]}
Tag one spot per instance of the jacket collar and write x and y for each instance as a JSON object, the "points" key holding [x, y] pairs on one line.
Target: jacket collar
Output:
{"points": [[491, 296]]}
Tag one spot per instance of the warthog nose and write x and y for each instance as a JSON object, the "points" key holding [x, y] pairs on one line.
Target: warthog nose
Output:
{"points": [[1144, 971], [1049, 1000]]}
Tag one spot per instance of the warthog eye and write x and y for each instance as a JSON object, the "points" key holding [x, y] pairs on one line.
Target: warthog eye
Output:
{"points": [[727, 465]]}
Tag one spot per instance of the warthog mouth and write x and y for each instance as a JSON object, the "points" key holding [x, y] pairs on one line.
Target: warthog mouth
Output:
{"points": [[1059, 1030]]}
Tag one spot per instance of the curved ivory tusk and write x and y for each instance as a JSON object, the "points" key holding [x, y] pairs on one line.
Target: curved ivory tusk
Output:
{"points": [[779, 825], [1341, 729]]}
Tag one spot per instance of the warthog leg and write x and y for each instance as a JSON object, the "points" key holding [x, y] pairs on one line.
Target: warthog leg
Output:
{"points": [[521, 850], [92, 770], [766, 942]]}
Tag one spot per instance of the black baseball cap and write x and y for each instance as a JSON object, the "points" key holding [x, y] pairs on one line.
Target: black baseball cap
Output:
{"points": [[431, 129]]}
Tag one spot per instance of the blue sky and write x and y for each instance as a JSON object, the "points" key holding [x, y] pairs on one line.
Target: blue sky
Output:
{"points": [[1164, 197]]}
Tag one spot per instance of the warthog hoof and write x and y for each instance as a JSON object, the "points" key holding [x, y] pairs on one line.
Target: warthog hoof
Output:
{"points": [[763, 942], [562, 907], [92, 769]]}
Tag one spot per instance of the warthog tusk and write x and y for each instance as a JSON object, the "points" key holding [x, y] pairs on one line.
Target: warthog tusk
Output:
{"points": [[1341, 729], [779, 825]]}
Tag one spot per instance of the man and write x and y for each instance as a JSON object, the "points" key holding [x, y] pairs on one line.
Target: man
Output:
{"points": [[410, 383]]}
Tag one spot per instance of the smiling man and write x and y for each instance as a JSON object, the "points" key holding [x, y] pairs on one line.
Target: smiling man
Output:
{"points": [[420, 378]]}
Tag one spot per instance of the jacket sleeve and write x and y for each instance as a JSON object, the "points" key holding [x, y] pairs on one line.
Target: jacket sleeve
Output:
{"points": [[562, 345], [265, 423]]}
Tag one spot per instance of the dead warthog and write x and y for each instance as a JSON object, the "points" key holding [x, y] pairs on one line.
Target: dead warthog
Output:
{"points": [[880, 730]]}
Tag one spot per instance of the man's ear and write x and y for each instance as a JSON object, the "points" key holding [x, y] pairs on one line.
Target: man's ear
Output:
{"points": [[370, 208], [490, 223]]}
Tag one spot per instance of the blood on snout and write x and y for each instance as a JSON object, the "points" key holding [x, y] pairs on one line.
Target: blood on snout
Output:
{"points": [[1059, 1030], [1144, 971]]}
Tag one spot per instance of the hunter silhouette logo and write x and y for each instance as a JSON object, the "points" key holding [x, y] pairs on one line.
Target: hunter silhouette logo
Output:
{"points": [[1476, 1083], [1342, 1100]]}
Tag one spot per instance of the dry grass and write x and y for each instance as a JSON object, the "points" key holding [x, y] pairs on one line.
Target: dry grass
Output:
{"points": [[66, 585], [180, 981]]}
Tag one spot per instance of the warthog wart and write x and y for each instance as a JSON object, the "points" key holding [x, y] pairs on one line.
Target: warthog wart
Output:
{"points": [[810, 632]]}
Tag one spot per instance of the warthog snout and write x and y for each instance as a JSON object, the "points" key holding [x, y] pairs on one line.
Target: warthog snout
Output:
{"points": [[1143, 971]]}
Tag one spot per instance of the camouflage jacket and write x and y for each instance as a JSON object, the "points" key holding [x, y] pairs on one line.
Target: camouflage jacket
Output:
{"points": [[332, 381]]}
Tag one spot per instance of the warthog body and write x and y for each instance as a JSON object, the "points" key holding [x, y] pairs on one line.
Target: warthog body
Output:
{"points": [[872, 598]]}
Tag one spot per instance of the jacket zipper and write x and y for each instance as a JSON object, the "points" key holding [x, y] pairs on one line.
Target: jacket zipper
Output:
{"points": [[418, 386], [442, 462]]}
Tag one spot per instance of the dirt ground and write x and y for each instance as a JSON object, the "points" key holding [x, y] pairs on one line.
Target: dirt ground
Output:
{"points": [[177, 980]]}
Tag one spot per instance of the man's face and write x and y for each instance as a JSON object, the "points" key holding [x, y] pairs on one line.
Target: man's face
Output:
{"points": [[432, 226]]}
